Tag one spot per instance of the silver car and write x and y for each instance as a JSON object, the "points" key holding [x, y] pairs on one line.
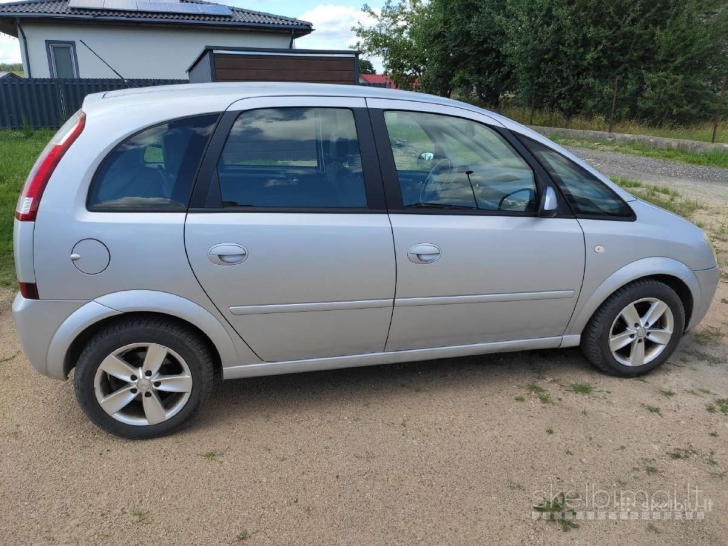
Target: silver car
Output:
{"points": [[170, 237]]}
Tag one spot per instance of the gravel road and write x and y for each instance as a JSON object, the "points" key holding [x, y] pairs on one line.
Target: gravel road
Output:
{"points": [[447, 452], [708, 182]]}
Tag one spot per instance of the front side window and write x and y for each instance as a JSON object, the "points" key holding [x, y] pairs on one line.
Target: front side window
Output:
{"points": [[587, 195], [153, 170], [453, 163], [62, 59], [292, 158]]}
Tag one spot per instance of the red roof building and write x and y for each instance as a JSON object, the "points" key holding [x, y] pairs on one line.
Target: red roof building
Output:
{"points": [[377, 80]]}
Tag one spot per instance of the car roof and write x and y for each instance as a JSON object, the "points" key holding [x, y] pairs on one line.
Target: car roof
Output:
{"points": [[240, 90]]}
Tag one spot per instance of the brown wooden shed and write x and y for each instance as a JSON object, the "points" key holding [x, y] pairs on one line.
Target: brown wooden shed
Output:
{"points": [[225, 64]]}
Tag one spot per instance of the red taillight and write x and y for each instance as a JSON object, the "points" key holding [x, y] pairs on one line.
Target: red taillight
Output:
{"points": [[29, 290], [38, 178]]}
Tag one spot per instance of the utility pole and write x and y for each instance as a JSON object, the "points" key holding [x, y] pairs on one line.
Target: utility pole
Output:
{"points": [[720, 109], [533, 102], [614, 103]]}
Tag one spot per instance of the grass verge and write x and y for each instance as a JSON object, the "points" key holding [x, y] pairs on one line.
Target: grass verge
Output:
{"points": [[706, 159], [700, 131], [662, 196], [19, 150]]}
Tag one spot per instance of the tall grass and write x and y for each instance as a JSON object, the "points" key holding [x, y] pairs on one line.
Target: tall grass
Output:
{"points": [[545, 118], [18, 152]]}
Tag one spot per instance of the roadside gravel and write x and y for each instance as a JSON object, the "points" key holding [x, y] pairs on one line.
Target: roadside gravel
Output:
{"points": [[706, 184], [650, 170]]}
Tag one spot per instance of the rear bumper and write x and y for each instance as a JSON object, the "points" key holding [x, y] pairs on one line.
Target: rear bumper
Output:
{"points": [[36, 322], [708, 280]]}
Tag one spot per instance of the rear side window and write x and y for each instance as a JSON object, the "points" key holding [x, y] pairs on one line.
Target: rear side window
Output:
{"points": [[154, 170], [292, 158], [587, 195]]}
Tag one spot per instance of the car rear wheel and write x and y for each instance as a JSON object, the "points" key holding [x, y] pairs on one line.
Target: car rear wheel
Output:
{"points": [[143, 377], [636, 330]]}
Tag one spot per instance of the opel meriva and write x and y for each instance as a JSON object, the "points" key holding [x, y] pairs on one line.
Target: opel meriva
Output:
{"points": [[170, 236]]}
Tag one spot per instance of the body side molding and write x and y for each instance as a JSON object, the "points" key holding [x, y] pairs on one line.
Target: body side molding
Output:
{"points": [[374, 359]]}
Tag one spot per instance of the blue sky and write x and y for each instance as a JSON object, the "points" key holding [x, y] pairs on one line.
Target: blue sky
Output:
{"points": [[332, 21]]}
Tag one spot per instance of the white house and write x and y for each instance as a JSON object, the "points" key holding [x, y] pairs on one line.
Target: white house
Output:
{"points": [[156, 39]]}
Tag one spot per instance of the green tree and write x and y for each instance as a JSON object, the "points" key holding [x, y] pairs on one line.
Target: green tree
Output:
{"points": [[366, 67], [668, 56], [396, 37], [691, 58]]}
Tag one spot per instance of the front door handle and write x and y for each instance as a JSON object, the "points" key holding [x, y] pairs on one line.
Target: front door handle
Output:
{"points": [[228, 254], [424, 253]]}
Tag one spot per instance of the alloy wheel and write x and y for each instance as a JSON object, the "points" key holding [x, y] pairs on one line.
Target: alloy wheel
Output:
{"points": [[143, 384], [641, 332]]}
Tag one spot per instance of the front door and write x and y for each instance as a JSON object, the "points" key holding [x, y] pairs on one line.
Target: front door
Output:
{"points": [[475, 262], [293, 245]]}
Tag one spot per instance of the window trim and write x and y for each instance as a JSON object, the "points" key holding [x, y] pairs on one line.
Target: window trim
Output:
{"points": [[526, 141], [206, 195], [126, 138], [393, 191], [50, 44]]}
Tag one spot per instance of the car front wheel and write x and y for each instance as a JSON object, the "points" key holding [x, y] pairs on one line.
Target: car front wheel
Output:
{"points": [[143, 377], [636, 329]]}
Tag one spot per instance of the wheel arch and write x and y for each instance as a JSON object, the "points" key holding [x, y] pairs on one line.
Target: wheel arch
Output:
{"points": [[78, 344], [671, 272], [70, 338]]}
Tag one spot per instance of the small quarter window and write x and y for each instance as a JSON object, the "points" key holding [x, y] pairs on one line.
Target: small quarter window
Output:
{"points": [[587, 195], [292, 158], [153, 170]]}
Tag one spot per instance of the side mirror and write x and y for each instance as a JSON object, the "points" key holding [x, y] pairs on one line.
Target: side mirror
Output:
{"points": [[549, 205], [424, 160]]}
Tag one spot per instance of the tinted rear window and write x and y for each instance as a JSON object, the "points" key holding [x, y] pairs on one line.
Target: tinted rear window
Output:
{"points": [[153, 170], [293, 158]]}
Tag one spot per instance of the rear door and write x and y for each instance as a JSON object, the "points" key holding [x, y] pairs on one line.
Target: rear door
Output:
{"points": [[288, 233], [475, 262]]}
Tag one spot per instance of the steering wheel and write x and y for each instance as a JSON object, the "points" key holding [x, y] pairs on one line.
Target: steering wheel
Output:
{"points": [[431, 177], [508, 203]]}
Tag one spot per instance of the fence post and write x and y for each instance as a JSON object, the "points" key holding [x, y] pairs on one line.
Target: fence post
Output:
{"points": [[614, 104], [720, 109]]}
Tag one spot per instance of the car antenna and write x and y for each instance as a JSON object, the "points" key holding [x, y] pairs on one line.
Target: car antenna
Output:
{"points": [[107, 64]]}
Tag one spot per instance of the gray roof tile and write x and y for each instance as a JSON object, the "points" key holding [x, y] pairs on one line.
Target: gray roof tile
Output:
{"points": [[60, 9]]}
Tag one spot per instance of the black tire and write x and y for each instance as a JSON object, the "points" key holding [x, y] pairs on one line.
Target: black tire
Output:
{"points": [[595, 338], [177, 337]]}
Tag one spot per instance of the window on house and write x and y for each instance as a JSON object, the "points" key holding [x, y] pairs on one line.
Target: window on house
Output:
{"points": [[62, 59]]}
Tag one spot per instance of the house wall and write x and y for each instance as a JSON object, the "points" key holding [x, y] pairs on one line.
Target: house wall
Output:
{"points": [[137, 51]]}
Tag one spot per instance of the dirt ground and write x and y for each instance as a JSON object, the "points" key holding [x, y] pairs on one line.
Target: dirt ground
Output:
{"points": [[446, 452]]}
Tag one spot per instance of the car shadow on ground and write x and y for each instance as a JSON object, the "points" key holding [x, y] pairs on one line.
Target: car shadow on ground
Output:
{"points": [[363, 386]]}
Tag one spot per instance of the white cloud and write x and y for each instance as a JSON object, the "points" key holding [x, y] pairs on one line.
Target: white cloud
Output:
{"points": [[9, 49], [9, 46], [332, 28]]}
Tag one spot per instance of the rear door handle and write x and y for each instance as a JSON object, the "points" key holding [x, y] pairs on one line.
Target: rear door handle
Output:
{"points": [[228, 254], [424, 253]]}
